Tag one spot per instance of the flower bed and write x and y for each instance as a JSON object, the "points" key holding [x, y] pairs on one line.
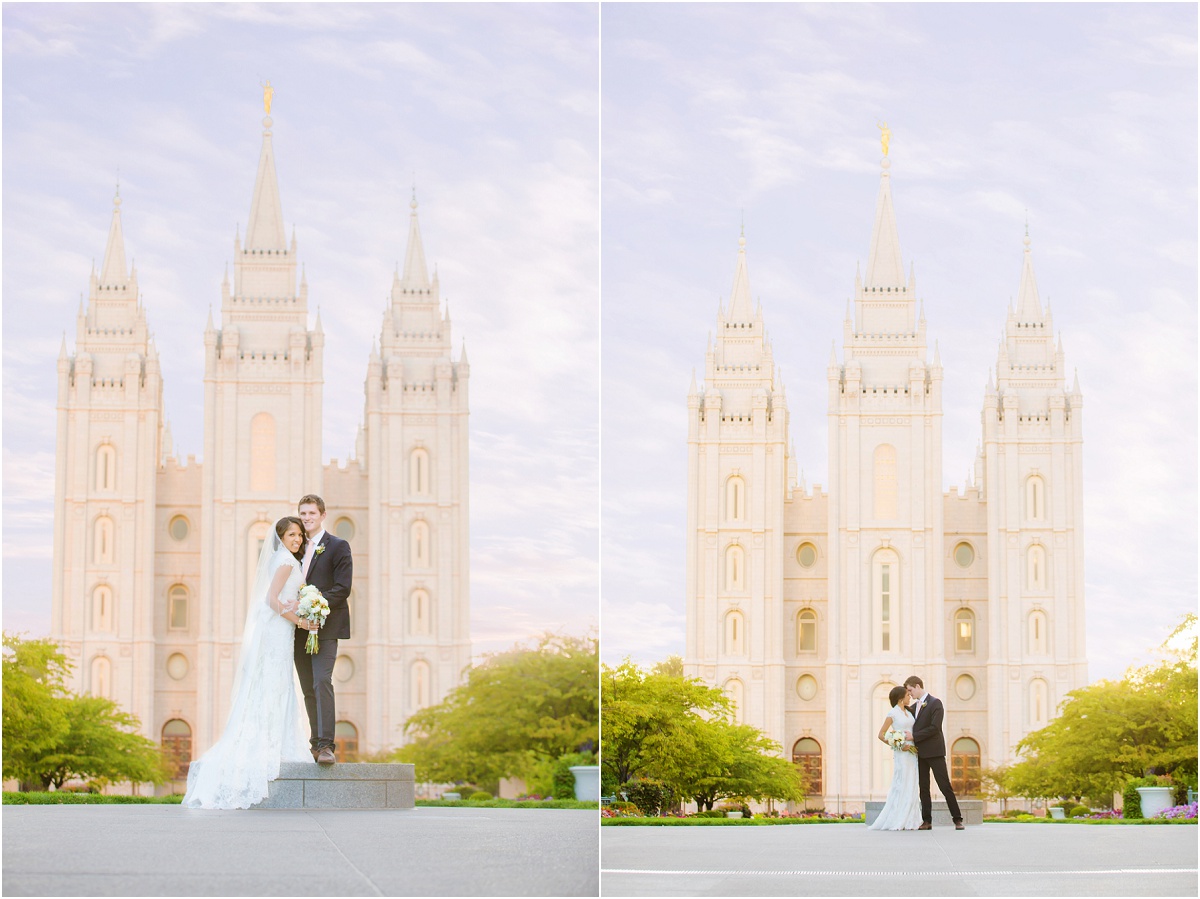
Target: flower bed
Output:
{"points": [[617, 819], [1179, 812]]}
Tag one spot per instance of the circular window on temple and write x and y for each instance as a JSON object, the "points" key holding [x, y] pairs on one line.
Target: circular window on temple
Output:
{"points": [[806, 555], [964, 555], [179, 528], [806, 687], [344, 528], [177, 666], [964, 686]]}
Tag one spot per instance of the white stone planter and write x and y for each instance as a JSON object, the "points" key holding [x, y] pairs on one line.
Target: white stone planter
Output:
{"points": [[1154, 800], [587, 782], [733, 814], [1058, 813], [452, 796]]}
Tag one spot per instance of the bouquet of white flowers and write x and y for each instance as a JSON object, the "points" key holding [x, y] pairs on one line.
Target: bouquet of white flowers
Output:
{"points": [[894, 739], [314, 608]]}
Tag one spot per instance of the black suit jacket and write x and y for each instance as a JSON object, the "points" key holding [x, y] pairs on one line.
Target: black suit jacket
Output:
{"points": [[332, 572], [927, 729]]}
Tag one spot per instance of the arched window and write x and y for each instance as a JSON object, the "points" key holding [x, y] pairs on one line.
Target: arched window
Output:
{"points": [[735, 634], [806, 755], [104, 534], [418, 471], [177, 607], [1037, 567], [1037, 633], [419, 544], [101, 677], [886, 495], [885, 600], [262, 452], [806, 631], [735, 499], [1039, 703], [102, 609], [418, 685], [177, 747], [964, 631], [964, 767], [345, 738], [419, 613], [736, 692], [1035, 498], [106, 467], [735, 567]]}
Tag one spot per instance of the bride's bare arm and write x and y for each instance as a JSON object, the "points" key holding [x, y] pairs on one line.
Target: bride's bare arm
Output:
{"points": [[887, 723], [279, 608]]}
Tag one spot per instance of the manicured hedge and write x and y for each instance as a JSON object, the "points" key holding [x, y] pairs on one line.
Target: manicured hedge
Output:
{"points": [[69, 798], [720, 822]]}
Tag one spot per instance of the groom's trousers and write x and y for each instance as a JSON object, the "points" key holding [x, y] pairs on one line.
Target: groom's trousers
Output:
{"points": [[936, 764], [316, 681]]}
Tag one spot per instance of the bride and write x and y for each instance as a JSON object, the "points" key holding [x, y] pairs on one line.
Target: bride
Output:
{"points": [[264, 723], [902, 811]]}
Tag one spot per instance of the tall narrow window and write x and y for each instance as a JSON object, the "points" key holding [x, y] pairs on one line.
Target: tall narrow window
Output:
{"points": [[964, 767], [1037, 567], [735, 499], [102, 609], [419, 613], [418, 684], [885, 590], [262, 452], [420, 544], [103, 541], [177, 747], [735, 568], [806, 631], [886, 499], [418, 471], [806, 755], [177, 607], [735, 631], [345, 738], [1037, 633], [101, 677], [736, 692], [1035, 498], [1039, 703], [964, 631], [106, 467]]}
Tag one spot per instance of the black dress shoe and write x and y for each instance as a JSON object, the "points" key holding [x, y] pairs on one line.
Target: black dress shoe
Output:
{"points": [[958, 825], [925, 825]]}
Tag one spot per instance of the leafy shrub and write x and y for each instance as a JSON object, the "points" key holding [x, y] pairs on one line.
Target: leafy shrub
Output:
{"points": [[608, 783], [563, 779], [627, 808], [1014, 813], [481, 794], [709, 813], [1179, 793], [1078, 811], [1131, 797], [737, 804], [647, 794]]}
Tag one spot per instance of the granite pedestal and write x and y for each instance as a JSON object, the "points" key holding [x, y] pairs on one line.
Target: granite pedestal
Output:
{"points": [[972, 812], [353, 785]]}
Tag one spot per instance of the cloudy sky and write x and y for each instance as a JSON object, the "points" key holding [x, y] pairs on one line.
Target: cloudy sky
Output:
{"points": [[490, 110], [1081, 117]]}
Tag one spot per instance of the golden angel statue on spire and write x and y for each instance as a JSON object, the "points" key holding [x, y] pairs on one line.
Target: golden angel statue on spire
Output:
{"points": [[885, 135], [268, 92]]}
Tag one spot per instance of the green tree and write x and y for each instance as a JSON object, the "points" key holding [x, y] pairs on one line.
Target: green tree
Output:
{"points": [[1110, 731], [516, 713], [52, 735]]}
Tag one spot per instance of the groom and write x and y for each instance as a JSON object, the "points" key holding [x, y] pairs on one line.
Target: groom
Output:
{"points": [[931, 751], [328, 567]]}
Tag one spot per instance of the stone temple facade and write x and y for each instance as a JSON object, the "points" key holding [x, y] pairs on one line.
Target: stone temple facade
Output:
{"points": [[807, 604], [154, 555]]}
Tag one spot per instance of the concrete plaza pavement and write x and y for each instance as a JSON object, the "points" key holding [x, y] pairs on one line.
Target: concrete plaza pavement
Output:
{"points": [[166, 850], [850, 860]]}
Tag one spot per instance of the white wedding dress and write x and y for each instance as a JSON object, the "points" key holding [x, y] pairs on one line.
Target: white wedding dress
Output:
{"points": [[264, 726], [902, 810]]}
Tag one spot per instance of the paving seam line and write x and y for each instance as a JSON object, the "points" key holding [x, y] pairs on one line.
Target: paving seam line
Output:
{"points": [[1103, 872], [338, 849]]}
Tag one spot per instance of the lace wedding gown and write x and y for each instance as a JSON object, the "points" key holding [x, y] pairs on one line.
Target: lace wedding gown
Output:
{"points": [[902, 810], [263, 729]]}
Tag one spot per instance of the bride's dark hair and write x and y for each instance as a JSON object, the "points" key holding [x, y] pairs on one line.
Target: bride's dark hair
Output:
{"points": [[896, 695], [286, 522]]}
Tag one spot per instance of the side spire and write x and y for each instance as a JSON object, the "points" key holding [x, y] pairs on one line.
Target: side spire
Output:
{"points": [[265, 229], [416, 275]]}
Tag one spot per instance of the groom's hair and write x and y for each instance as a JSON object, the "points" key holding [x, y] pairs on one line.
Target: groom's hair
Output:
{"points": [[311, 498], [913, 681]]}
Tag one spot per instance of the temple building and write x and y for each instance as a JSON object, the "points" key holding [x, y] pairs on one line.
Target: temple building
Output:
{"points": [[807, 604], [154, 554]]}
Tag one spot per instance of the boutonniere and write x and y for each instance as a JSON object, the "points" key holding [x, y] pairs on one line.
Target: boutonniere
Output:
{"points": [[318, 550]]}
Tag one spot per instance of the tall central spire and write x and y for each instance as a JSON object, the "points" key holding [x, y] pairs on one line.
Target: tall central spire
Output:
{"points": [[416, 276], [884, 268], [265, 228], [739, 298], [114, 273]]}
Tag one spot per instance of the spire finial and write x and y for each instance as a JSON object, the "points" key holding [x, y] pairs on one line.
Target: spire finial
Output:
{"points": [[1026, 230], [117, 196]]}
